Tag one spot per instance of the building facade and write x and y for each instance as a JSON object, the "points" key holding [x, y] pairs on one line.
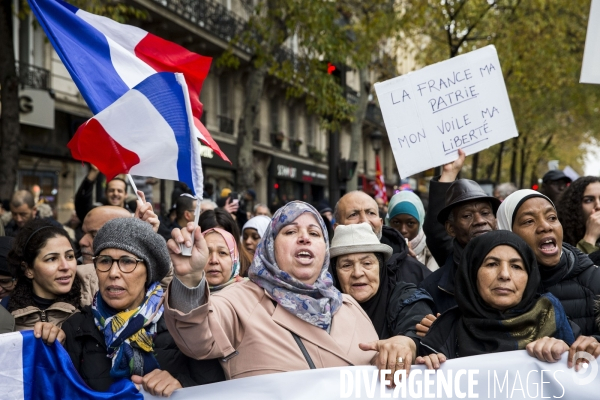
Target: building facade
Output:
{"points": [[291, 150]]}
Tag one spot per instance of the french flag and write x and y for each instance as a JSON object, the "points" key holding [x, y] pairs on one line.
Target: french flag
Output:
{"points": [[106, 58], [33, 370], [147, 132]]}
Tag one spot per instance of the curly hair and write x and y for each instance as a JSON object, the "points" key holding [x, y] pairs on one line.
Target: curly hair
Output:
{"points": [[570, 212], [26, 247]]}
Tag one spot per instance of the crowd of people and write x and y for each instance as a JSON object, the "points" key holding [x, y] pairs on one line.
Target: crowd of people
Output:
{"points": [[309, 287]]}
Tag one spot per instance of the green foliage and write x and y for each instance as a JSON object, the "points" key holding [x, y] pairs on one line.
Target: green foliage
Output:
{"points": [[349, 32], [540, 46]]}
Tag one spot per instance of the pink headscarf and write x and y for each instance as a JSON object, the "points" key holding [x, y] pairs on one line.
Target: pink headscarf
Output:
{"points": [[235, 257]]}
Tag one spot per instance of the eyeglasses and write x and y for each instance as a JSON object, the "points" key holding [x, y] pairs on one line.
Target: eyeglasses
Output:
{"points": [[126, 264], [7, 283]]}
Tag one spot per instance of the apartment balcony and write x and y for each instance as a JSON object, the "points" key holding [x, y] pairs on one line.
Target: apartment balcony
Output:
{"points": [[277, 139], [33, 77], [295, 145], [209, 15]]}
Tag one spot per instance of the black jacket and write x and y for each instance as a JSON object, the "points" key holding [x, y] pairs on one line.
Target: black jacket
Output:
{"points": [[406, 308], [86, 347], [438, 241], [440, 285], [405, 267], [444, 336], [578, 287], [84, 199]]}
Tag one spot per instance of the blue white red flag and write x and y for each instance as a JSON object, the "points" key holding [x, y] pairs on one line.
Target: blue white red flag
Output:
{"points": [[147, 132], [106, 58], [33, 370]]}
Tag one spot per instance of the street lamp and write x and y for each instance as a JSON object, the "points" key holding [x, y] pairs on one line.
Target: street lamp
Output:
{"points": [[376, 139]]}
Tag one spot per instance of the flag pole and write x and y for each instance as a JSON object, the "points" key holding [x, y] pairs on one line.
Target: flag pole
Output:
{"points": [[135, 189]]}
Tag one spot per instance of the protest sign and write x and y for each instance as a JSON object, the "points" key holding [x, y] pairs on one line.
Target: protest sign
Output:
{"points": [[509, 375], [590, 69], [459, 103]]}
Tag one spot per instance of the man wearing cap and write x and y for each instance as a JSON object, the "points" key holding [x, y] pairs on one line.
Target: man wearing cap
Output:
{"points": [[554, 183], [357, 207], [459, 210]]}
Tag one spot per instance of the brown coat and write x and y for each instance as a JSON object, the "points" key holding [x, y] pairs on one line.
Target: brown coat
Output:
{"points": [[243, 318]]}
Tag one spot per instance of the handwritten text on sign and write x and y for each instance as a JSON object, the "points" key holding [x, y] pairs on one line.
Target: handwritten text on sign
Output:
{"points": [[459, 103]]}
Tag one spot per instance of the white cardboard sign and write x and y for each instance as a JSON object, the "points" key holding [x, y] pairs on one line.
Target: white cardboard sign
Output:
{"points": [[590, 68], [459, 103]]}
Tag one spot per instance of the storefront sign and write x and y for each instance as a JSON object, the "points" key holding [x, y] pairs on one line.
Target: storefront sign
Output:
{"points": [[206, 152], [285, 171], [209, 158], [36, 108], [295, 171]]}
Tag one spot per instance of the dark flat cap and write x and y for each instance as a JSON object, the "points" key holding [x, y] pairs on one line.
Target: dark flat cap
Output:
{"points": [[555, 175], [463, 191]]}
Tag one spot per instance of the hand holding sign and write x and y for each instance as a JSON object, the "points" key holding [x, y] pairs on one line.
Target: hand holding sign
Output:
{"points": [[460, 103]]}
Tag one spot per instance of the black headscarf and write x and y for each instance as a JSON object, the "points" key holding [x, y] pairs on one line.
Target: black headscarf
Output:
{"points": [[480, 328], [376, 307], [467, 295]]}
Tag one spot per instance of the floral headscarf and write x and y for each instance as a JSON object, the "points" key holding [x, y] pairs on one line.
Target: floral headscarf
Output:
{"points": [[235, 258], [316, 303]]}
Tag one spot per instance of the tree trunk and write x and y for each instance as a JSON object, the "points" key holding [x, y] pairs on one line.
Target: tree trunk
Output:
{"points": [[524, 157], [357, 124], [474, 166], [499, 168], [252, 96], [490, 170], [10, 132], [513, 165]]}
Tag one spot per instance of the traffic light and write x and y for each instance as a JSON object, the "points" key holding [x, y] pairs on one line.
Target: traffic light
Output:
{"points": [[331, 68], [535, 186], [338, 71]]}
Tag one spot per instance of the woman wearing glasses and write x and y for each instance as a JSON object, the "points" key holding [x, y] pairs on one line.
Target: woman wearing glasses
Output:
{"points": [[123, 333]]}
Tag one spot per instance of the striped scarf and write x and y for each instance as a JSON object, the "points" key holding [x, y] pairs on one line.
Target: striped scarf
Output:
{"points": [[129, 334]]}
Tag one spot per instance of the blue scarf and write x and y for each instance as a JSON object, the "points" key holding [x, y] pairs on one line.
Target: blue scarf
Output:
{"points": [[129, 335]]}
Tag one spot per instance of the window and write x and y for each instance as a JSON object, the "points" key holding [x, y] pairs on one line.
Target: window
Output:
{"points": [[291, 123], [310, 130], [223, 96], [274, 114]]}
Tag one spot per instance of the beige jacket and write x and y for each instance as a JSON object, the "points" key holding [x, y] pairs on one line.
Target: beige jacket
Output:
{"points": [[243, 318], [57, 313]]}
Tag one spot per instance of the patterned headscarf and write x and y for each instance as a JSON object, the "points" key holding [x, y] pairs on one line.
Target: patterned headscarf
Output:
{"points": [[235, 258], [316, 303]]}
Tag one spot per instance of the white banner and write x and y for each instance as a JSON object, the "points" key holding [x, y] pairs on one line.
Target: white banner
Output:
{"points": [[510, 375], [458, 103], [590, 68]]}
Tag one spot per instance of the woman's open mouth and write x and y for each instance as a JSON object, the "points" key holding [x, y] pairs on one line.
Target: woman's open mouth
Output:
{"points": [[548, 246], [305, 256], [114, 291]]}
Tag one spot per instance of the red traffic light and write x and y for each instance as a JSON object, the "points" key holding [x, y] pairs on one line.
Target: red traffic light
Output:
{"points": [[535, 187], [276, 186], [331, 68]]}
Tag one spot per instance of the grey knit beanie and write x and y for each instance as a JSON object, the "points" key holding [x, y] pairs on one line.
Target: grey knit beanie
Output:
{"points": [[138, 238]]}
